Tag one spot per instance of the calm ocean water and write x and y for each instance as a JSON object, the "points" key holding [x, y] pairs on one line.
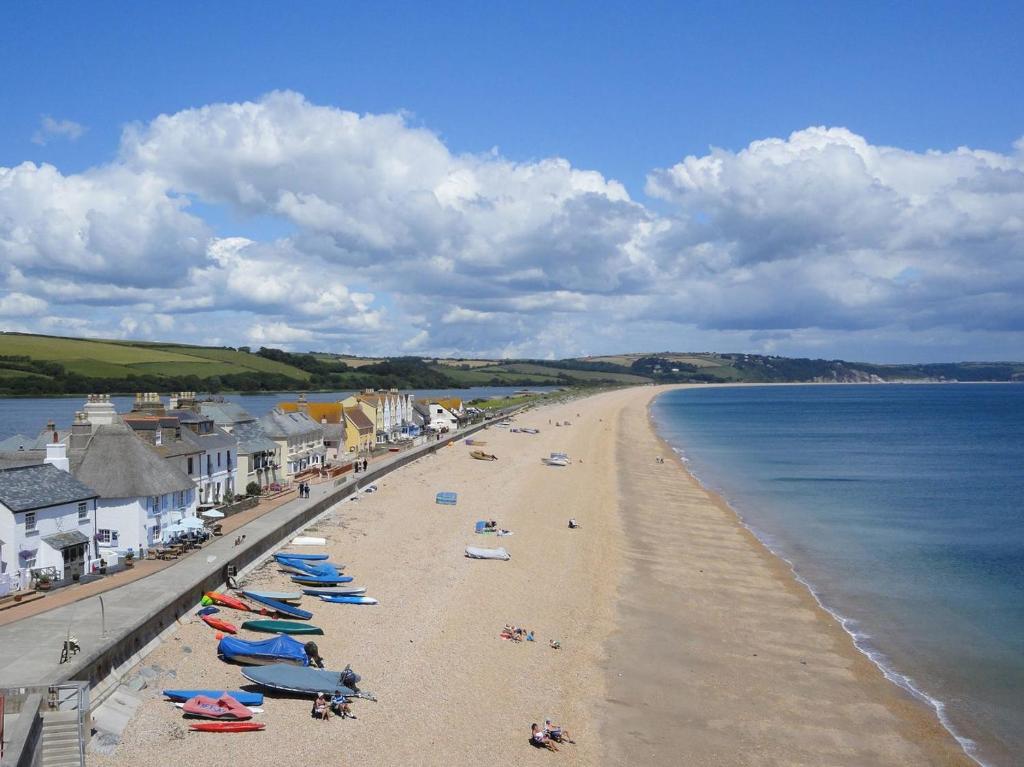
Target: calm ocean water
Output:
{"points": [[29, 415], [902, 508]]}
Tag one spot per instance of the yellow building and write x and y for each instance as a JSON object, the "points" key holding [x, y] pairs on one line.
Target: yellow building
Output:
{"points": [[360, 435]]}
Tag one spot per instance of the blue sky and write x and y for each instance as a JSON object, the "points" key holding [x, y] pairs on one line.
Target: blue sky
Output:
{"points": [[623, 90]]}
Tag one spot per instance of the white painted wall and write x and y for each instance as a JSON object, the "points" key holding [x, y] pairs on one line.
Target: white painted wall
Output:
{"points": [[48, 521], [138, 523]]}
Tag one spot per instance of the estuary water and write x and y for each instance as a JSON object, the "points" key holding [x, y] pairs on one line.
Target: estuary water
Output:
{"points": [[902, 509]]}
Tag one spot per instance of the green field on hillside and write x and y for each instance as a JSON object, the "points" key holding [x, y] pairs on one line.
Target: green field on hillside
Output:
{"points": [[121, 359]]}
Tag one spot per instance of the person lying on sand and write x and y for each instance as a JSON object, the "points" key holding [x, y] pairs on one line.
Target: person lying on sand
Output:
{"points": [[540, 739], [554, 644], [491, 525], [556, 732], [573, 524]]}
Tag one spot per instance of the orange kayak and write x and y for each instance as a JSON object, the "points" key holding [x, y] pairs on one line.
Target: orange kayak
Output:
{"points": [[227, 726], [221, 625], [228, 601]]}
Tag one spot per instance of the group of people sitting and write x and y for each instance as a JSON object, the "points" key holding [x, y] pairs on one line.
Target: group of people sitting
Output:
{"points": [[338, 704], [548, 735], [516, 633], [491, 526]]}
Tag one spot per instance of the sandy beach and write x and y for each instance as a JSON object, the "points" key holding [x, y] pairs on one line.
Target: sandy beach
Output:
{"points": [[684, 641]]}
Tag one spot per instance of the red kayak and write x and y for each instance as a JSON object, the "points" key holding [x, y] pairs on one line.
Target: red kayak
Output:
{"points": [[224, 707], [228, 601], [220, 625], [228, 726]]}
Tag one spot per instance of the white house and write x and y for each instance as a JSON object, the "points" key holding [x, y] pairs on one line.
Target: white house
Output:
{"points": [[300, 441], [140, 493], [47, 522], [436, 417]]}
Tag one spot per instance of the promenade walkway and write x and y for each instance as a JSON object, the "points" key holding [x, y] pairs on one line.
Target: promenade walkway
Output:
{"points": [[113, 626]]}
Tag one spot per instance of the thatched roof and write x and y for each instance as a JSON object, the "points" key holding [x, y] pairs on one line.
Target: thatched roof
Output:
{"points": [[117, 464]]}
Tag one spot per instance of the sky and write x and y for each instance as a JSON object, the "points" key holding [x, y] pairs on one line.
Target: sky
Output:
{"points": [[535, 180]]}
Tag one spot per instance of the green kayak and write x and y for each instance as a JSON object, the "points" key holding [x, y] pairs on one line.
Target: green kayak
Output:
{"points": [[282, 627]]}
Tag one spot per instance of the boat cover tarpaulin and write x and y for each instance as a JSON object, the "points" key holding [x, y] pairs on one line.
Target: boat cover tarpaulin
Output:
{"points": [[280, 676], [224, 707], [475, 552], [278, 649], [298, 555]]}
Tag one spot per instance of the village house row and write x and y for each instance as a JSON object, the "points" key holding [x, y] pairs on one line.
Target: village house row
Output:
{"points": [[114, 482]]}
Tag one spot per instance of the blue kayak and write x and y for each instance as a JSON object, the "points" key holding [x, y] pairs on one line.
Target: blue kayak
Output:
{"points": [[322, 580], [303, 567], [350, 600], [243, 697], [298, 555], [334, 591], [279, 607]]}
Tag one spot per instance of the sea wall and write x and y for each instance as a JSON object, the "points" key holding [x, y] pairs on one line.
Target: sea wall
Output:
{"points": [[174, 592]]}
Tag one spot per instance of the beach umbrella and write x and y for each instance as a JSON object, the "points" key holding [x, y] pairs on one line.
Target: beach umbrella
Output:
{"points": [[213, 514], [191, 523]]}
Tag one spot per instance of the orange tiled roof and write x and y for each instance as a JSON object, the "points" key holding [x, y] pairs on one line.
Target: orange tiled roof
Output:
{"points": [[318, 411]]}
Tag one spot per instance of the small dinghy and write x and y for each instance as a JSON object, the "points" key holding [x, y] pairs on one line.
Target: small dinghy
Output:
{"points": [[280, 596], [224, 707], [221, 625], [305, 680], [298, 555], [281, 608], [309, 540], [316, 580], [335, 591], [281, 627], [281, 649], [480, 455], [243, 697], [227, 726], [475, 552], [349, 600]]}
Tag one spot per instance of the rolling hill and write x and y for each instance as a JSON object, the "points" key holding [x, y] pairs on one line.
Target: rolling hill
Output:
{"points": [[49, 365]]}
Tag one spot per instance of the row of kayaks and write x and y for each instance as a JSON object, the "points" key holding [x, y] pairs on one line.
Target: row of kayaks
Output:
{"points": [[279, 662]]}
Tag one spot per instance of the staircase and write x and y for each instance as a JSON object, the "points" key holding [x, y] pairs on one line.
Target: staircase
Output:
{"points": [[62, 740]]}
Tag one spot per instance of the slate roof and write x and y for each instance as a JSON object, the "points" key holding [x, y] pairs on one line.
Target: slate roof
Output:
{"points": [[26, 488], [226, 413], [334, 432], [65, 540], [278, 425], [358, 418], [120, 465], [17, 442], [251, 439], [215, 440]]}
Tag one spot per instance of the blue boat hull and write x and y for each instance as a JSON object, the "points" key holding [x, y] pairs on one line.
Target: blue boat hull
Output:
{"points": [[298, 555], [280, 607], [243, 697], [316, 580], [350, 600]]}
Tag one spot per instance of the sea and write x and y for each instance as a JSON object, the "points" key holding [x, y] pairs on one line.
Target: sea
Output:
{"points": [[28, 416], [901, 507]]}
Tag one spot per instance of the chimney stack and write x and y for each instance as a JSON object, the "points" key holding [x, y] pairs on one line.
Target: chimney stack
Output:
{"points": [[57, 455], [81, 431]]}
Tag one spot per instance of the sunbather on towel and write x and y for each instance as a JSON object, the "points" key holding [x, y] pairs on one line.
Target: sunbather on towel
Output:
{"points": [[320, 710]]}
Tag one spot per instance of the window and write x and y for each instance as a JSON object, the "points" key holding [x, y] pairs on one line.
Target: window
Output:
{"points": [[229, 459], [83, 512], [218, 459], [190, 466], [103, 536], [30, 522]]}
